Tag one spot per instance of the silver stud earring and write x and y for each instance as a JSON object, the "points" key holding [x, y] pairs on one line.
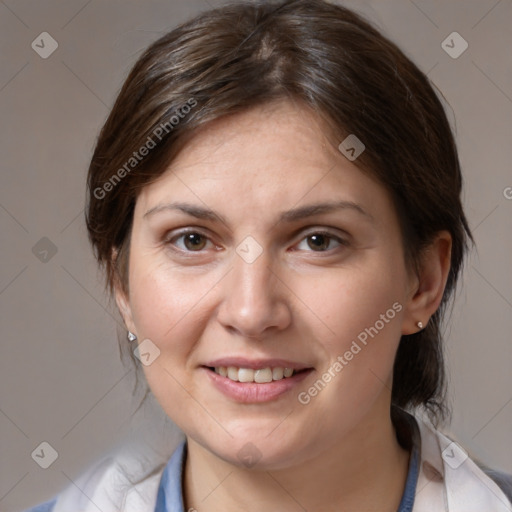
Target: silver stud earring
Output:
{"points": [[131, 336], [420, 325]]}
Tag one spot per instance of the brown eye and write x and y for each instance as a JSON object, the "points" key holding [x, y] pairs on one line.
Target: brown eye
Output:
{"points": [[320, 241], [189, 241], [194, 241]]}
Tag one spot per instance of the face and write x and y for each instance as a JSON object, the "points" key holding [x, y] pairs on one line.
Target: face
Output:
{"points": [[233, 263]]}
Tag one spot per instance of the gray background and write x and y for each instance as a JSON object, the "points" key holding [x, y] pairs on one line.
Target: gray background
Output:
{"points": [[61, 377]]}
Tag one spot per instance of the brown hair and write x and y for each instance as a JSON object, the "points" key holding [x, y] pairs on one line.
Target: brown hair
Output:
{"points": [[334, 62]]}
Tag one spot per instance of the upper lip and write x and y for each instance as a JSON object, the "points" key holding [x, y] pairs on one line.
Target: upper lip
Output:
{"points": [[256, 364]]}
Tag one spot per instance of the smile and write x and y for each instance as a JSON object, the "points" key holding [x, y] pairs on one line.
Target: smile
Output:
{"points": [[255, 385]]}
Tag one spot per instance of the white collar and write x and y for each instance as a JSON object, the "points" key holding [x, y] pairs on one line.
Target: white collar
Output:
{"points": [[449, 481]]}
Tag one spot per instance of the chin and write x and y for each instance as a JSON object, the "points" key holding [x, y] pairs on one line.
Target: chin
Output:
{"points": [[257, 452]]}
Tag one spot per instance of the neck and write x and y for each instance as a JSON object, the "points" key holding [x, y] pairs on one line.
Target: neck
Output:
{"points": [[366, 470]]}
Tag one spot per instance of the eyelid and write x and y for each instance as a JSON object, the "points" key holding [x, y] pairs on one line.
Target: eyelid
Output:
{"points": [[332, 232], [327, 233]]}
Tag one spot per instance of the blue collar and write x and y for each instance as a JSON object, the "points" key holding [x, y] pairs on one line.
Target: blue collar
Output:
{"points": [[170, 495], [407, 501]]}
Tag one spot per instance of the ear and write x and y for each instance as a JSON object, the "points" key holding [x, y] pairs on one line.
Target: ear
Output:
{"points": [[428, 284], [122, 299]]}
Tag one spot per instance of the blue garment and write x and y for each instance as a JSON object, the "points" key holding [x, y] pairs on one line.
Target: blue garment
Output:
{"points": [[170, 495], [407, 501], [47, 506]]}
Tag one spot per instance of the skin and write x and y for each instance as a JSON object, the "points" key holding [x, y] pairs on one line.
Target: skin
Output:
{"points": [[295, 301]]}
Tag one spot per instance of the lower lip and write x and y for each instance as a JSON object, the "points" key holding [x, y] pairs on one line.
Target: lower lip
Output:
{"points": [[252, 392]]}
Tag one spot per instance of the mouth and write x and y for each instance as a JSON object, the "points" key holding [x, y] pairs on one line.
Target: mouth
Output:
{"points": [[262, 382]]}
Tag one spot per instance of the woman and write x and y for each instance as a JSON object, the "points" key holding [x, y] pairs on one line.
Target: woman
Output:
{"points": [[275, 198]]}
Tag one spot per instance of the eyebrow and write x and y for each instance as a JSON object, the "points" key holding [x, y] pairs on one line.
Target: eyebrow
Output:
{"points": [[289, 216]]}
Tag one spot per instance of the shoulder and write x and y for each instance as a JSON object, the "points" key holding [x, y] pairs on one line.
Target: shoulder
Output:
{"points": [[127, 479]]}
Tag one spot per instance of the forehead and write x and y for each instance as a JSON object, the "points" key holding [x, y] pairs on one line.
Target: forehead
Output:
{"points": [[279, 131], [267, 159]]}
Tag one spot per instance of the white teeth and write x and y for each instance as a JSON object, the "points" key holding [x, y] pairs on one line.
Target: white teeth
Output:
{"points": [[233, 373], [264, 375], [277, 373], [249, 375], [245, 375]]}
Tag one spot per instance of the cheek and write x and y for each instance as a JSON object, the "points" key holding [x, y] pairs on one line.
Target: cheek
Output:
{"points": [[362, 308], [169, 308], [164, 299], [349, 301]]}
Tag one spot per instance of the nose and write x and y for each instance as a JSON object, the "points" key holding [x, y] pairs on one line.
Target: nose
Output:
{"points": [[255, 302]]}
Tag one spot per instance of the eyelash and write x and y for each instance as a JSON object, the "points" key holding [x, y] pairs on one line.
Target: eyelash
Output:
{"points": [[327, 234]]}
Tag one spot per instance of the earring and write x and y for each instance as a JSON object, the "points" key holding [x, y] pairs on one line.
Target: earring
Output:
{"points": [[131, 336], [420, 325]]}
